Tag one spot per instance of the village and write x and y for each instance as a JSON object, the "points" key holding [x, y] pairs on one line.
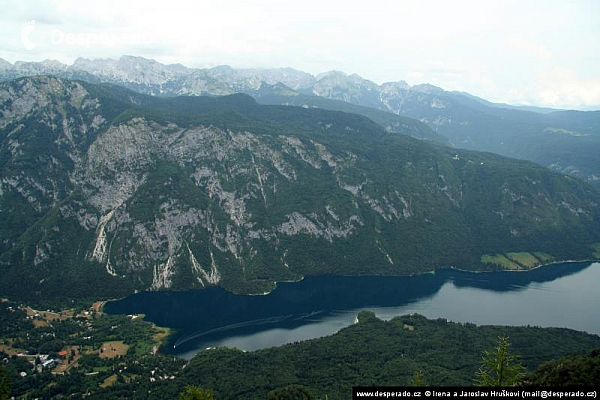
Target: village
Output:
{"points": [[40, 348]]}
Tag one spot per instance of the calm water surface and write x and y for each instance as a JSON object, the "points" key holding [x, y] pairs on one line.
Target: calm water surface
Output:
{"points": [[560, 295]]}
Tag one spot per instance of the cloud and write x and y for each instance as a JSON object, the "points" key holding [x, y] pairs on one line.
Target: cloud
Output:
{"points": [[526, 45], [516, 96], [565, 88], [558, 88], [453, 74], [495, 50]]}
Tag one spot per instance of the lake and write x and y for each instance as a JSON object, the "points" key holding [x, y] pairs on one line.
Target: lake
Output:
{"points": [[559, 295]]}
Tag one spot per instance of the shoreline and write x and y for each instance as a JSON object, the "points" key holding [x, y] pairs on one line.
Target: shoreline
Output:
{"points": [[274, 287], [102, 303], [523, 270], [170, 331], [433, 271]]}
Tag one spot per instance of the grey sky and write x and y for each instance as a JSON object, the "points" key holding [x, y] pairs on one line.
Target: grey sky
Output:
{"points": [[542, 52]]}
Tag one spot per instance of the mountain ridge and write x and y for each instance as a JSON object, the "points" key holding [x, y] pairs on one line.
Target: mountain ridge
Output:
{"points": [[105, 191], [564, 141], [270, 76]]}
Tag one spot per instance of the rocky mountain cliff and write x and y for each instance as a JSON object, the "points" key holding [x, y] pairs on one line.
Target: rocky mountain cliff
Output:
{"points": [[104, 191], [565, 141]]}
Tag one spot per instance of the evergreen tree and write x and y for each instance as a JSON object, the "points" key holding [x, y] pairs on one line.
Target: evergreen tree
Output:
{"points": [[418, 379], [500, 368]]}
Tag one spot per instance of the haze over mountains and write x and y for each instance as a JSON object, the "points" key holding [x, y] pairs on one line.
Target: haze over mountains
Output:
{"points": [[565, 141], [236, 200], [105, 191]]}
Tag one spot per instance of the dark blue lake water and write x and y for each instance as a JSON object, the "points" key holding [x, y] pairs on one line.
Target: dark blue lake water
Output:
{"points": [[559, 295]]}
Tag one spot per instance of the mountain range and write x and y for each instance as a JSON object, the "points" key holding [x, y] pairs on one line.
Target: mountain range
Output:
{"points": [[105, 191], [565, 141]]}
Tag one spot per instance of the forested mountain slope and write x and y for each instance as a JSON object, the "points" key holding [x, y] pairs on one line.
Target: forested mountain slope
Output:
{"points": [[105, 191]]}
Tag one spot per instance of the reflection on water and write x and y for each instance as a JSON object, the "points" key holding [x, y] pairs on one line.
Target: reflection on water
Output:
{"points": [[563, 295]]}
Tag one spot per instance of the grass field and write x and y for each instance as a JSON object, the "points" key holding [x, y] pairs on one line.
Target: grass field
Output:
{"points": [[160, 337], [113, 349], [543, 257], [525, 260], [499, 260], [38, 323], [111, 380], [11, 351], [97, 306], [49, 316], [519, 261]]}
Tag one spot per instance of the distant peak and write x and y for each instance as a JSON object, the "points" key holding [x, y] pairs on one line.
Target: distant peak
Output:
{"points": [[222, 68], [79, 60], [427, 88], [331, 73], [85, 61], [126, 57], [399, 85], [53, 63]]}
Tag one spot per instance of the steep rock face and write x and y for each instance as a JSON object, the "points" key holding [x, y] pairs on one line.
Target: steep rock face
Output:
{"points": [[130, 69], [151, 77], [45, 126], [105, 191], [252, 78], [564, 141], [126, 164], [352, 89]]}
